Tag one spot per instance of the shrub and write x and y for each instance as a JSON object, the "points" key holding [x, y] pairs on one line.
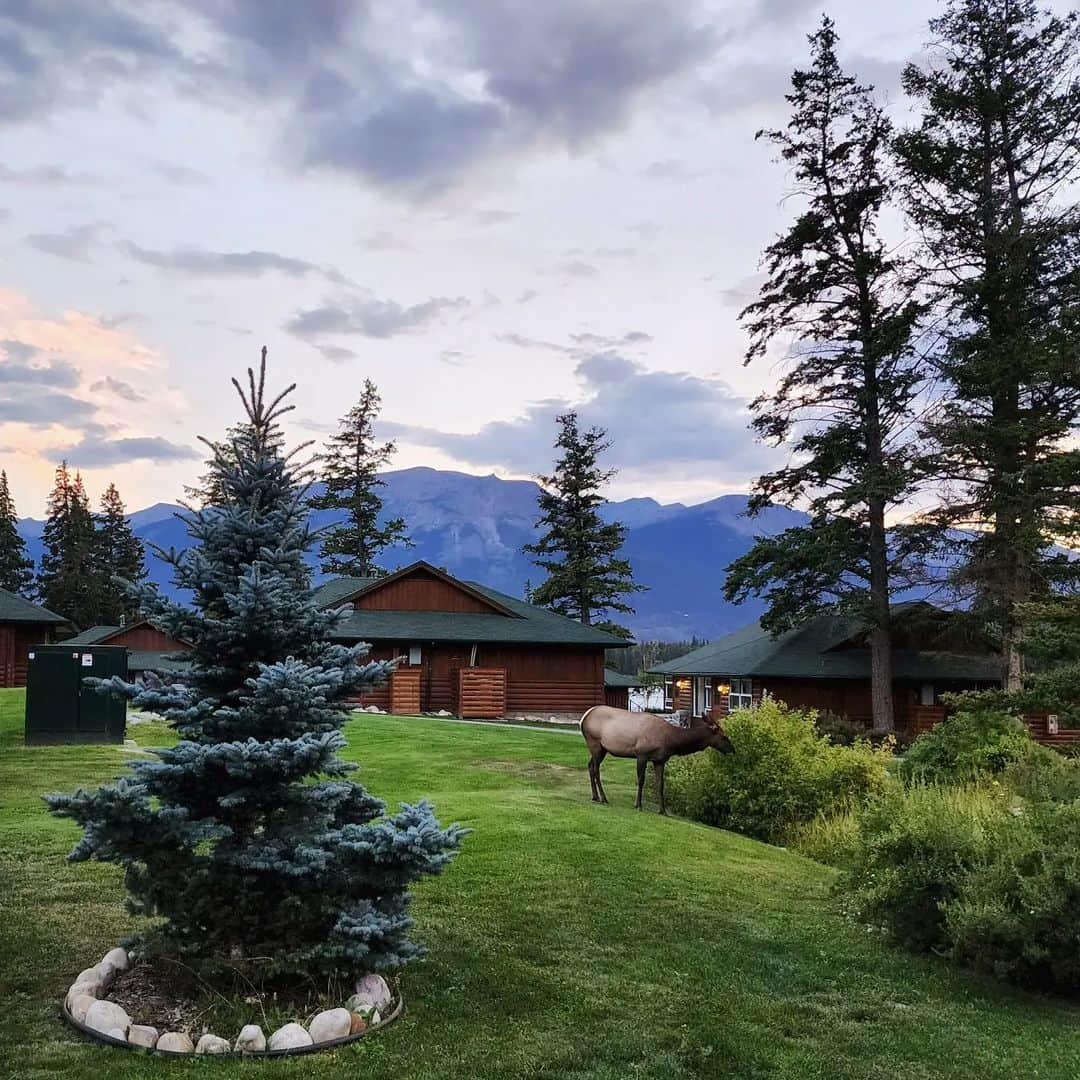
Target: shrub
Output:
{"points": [[972, 743], [829, 838], [783, 773], [1018, 914], [841, 731], [914, 849], [1043, 775]]}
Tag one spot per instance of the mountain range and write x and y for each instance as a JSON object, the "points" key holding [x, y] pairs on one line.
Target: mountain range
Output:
{"points": [[476, 526]]}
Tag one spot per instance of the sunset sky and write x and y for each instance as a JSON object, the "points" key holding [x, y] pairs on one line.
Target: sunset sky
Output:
{"points": [[492, 209]]}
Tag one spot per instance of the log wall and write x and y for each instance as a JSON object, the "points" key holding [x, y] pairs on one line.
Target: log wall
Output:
{"points": [[16, 640], [481, 693]]}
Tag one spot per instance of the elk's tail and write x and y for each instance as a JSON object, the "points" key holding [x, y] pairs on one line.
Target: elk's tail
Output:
{"points": [[584, 717]]}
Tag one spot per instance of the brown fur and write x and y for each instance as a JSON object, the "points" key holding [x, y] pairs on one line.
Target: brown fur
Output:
{"points": [[646, 738]]}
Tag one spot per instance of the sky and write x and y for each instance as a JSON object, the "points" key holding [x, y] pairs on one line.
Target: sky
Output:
{"points": [[495, 209]]}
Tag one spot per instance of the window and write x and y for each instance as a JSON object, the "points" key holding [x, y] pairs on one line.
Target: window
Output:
{"points": [[741, 695], [707, 703], [669, 692], [414, 655]]}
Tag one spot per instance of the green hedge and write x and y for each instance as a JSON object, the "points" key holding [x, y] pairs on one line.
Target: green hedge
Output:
{"points": [[782, 773]]}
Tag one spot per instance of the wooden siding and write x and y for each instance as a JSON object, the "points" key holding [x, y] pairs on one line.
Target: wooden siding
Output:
{"points": [[420, 591], [481, 693], [16, 640], [146, 638], [405, 691], [541, 679], [618, 697]]}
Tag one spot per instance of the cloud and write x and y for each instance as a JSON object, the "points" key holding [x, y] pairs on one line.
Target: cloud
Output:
{"points": [[336, 353], [231, 263], [16, 370], [576, 268], [672, 170], [180, 175], [370, 317], [95, 451], [41, 407], [485, 218], [46, 176], [118, 387], [657, 420], [77, 243]]}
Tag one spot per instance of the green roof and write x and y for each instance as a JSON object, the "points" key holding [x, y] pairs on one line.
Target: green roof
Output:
{"points": [[139, 660], [821, 649], [618, 679], [92, 636], [15, 608], [525, 624]]}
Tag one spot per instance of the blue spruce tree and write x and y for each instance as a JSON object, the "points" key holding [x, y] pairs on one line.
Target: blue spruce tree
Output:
{"points": [[245, 842]]}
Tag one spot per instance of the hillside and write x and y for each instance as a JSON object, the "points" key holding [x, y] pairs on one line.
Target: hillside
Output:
{"points": [[476, 526]]}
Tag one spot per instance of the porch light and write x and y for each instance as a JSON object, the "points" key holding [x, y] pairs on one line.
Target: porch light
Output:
{"points": [[724, 689], [682, 684]]}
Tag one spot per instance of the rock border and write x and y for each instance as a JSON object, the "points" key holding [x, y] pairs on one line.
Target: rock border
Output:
{"points": [[100, 991]]}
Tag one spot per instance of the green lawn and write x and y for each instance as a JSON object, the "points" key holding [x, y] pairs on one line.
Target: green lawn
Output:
{"points": [[568, 940]]}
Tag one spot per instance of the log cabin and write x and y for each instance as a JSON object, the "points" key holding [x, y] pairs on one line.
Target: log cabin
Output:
{"points": [[22, 626], [467, 649], [149, 649], [824, 664]]}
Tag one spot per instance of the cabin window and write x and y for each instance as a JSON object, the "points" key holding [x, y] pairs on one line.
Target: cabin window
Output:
{"points": [[741, 695], [414, 655], [927, 695], [669, 692], [707, 699]]}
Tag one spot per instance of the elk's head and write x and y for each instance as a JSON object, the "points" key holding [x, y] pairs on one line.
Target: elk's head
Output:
{"points": [[717, 738]]}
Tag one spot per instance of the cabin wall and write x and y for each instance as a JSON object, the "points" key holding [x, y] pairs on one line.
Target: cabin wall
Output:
{"points": [[147, 638], [541, 681], [421, 592], [16, 640]]}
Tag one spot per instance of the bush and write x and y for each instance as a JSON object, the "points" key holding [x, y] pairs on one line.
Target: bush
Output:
{"points": [[1043, 775], [841, 731], [970, 744], [1018, 914], [914, 850], [783, 773], [828, 838]]}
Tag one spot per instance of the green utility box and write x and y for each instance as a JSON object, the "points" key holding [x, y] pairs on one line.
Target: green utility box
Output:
{"points": [[60, 708]]}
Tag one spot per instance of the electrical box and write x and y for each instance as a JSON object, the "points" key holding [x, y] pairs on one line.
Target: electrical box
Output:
{"points": [[60, 707]]}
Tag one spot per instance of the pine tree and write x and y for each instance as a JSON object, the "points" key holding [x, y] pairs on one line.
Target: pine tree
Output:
{"points": [[991, 173], [845, 401], [578, 550], [66, 582], [245, 841], [117, 557], [16, 570], [351, 481]]}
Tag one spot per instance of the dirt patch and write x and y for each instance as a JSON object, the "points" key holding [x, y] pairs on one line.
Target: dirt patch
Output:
{"points": [[154, 996], [534, 770]]}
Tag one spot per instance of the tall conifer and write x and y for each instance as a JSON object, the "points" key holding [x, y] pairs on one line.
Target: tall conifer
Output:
{"points": [[66, 582], [587, 578], [350, 475], [843, 405], [118, 556], [991, 174], [16, 570]]}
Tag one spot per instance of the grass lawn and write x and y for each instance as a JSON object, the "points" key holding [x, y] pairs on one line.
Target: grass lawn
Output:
{"points": [[567, 941]]}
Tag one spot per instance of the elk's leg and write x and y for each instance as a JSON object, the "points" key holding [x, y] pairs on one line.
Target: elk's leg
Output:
{"points": [[658, 768], [597, 758], [592, 779], [642, 765]]}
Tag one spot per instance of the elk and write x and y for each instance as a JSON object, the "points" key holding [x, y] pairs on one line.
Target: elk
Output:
{"points": [[645, 737]]}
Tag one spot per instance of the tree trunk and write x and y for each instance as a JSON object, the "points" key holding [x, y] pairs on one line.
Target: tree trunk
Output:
{"points": [[881, 680]]}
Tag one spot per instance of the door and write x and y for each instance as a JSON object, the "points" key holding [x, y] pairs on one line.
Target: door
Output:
{"points": [[697, 696]]}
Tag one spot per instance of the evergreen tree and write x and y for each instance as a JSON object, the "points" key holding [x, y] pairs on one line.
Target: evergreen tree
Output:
{"points": [[245, 841], [16, 570], [118, 557], [351, 477], [991, 188], [577, 549], [844, 404], [66, 582], [208, 489]]}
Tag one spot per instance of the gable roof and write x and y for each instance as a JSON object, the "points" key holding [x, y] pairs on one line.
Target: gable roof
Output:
{"points": [[819, 649], [510, 621], [95, 635], [618, 679], [15, 608], [362, 586]]}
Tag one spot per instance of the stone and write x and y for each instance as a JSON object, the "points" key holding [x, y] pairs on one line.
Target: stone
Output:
{"points": [[289, 1037], [143, 1035], [251, 1039], [114, 961], [177, 1042], [117, 1033], [374, 1018], [329, 1025], [103, 1016], [95, 976], [212, 1044], [371, 993], [357, 1024], [78, 1005]]}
